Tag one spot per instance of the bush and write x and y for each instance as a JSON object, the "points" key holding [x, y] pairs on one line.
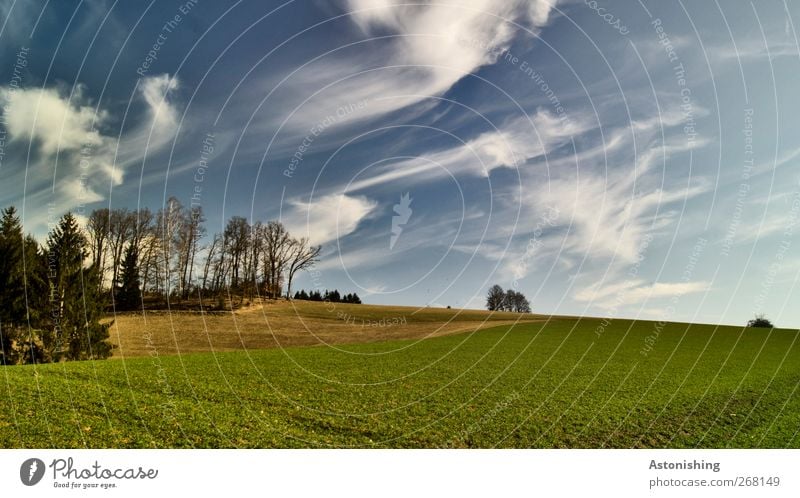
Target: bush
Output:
{"points": [[760, 321]]}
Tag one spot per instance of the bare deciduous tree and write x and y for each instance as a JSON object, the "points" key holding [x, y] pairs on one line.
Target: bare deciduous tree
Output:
{"points": [[211, 253], [237, 234], [189, 234], [495, 299], [277, 246], [302, 256], [97, 228]]}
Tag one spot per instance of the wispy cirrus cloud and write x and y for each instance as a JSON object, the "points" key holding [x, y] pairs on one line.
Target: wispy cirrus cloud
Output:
{"points": [[635, 291], [399, 68], [508, 146], [606, 193]]}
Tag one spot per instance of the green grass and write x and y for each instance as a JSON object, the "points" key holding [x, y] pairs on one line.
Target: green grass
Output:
{"points": [[533, 385]]}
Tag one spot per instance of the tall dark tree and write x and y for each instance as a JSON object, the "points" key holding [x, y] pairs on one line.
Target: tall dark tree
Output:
{"points": [[121, 226], [128, 295], [75, 331], [12, 280], [36, 302], [495, 298]]}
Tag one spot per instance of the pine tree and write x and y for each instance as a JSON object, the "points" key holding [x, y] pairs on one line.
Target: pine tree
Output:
{"points": [[128, 293], [12, 280], [75, 330], [36, 302], [94, 343]]}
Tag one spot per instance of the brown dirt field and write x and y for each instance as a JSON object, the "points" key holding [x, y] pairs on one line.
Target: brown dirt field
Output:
{"points": [[291, 323]]}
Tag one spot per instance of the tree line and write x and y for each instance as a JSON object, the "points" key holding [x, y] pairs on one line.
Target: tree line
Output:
{"points": [[53, 295], [329, 296], [166, 254], [50, 307], [499, 300]]}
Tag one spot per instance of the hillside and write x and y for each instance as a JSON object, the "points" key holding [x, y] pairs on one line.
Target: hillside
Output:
{"points": [[540, 384], [291, 323]]}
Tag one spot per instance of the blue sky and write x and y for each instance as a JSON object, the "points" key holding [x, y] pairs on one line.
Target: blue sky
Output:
{"points": [[619, 159]]}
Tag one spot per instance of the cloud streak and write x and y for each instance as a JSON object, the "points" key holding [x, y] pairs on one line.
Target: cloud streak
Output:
{"points": [[510, 146], [630, 292], [401, 69]]}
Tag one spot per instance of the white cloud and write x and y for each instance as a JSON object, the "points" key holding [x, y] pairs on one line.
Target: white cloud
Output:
{"points": [[629, 292], [159, 127], [431, 48], [56, 124], [512, 145], [540, 11], [327, 218], [748, 50], [69, 138], [606, 205], [602, 206], [603, 214], [609, 195]]}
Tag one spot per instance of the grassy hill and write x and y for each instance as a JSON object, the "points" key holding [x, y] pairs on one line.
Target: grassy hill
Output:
{"points": [[291, 323], [565, 382]]}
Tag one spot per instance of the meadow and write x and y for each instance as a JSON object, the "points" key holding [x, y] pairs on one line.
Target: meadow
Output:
{"points": [[441, 378]]}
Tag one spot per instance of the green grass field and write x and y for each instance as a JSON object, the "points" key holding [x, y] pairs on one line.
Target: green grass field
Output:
{"points": [[553, 384]]}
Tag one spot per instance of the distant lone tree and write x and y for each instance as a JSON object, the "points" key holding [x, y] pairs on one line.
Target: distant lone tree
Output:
{"points": [[760, 321], [499, 300], [496, 298]]}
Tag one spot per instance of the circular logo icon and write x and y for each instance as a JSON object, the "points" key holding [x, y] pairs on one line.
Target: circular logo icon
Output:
{"points": [[31, 471]]}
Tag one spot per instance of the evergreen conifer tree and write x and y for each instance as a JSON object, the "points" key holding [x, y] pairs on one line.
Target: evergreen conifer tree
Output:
{"points": [[128, 295], [75, 331], [12, 284]]}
